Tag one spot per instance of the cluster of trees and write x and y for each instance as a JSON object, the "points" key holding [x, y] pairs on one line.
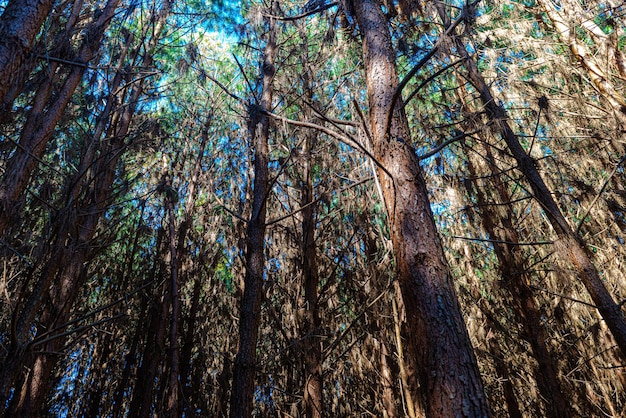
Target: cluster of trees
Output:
{"points": [[287, 208]]}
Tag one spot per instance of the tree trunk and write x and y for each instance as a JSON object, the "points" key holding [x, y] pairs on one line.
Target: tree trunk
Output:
{"points": [[313, 400], [19, 25], [449, 378], [310, 331], [241, 400], [40, 125], [498, 224]]}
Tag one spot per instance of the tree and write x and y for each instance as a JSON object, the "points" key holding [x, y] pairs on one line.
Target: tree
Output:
{"points": [[259, 128], [21, 22], [449, 376]]}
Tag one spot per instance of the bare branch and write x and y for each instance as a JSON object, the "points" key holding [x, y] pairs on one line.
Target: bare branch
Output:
{"points": [[358, 183], [302, 15], [499, 241]]}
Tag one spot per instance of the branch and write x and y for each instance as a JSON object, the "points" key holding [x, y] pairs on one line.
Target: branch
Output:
{"points": [[345, 332], [416, 68], [499, 241], [245, 77], [303, 15], [223, 87], [62, 61], [431, 78], [38, 342], [300, 209], [341, 138], [606, 183], [540, 289], [446, 143]]}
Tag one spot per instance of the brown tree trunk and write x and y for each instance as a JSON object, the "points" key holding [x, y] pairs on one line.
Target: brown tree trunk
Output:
{"points": [[87, 198], [19, 25], [449, 378], [242, 391], [173, 404], [311, 342], [387, 382], [40, 126], [310, 336], [23, 162], [503, 373]]}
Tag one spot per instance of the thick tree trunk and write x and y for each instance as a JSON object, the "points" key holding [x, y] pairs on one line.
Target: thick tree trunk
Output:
{"points": [[242, 391], [19, 25], [449, 376]]}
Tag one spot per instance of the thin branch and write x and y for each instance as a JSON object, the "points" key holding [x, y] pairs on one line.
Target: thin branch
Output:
{"points": [[38, 342], [62, 61], [17, 253], [446, 143], [540, 289], [416, 68], [225, 89], [363, 120], [245, 77], [345, 332], [329, 119], [358, 183], [236, 215], [431, 78], [303, 15], [499, 241], [606, 183], [341, 138]]}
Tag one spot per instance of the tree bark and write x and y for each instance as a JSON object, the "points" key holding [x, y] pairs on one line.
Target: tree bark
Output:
{"points": [[449, 378], [241, 400], [19, 25], [498, 224], [313, 399]]}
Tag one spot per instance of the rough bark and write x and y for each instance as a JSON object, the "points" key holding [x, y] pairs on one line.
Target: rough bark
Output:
{"points": [[19, 25], [311, 322], [449, 378], [310, 330], [242, 391], [387, 382], [66, 274]]}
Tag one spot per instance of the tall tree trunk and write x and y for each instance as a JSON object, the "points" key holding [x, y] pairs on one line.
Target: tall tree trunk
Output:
{"points": [[242, 391], [389, 399], [313, 400], [21, 164], [19, 25], [173, 404], [39, 127], [449, 378], [311, 340]]}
